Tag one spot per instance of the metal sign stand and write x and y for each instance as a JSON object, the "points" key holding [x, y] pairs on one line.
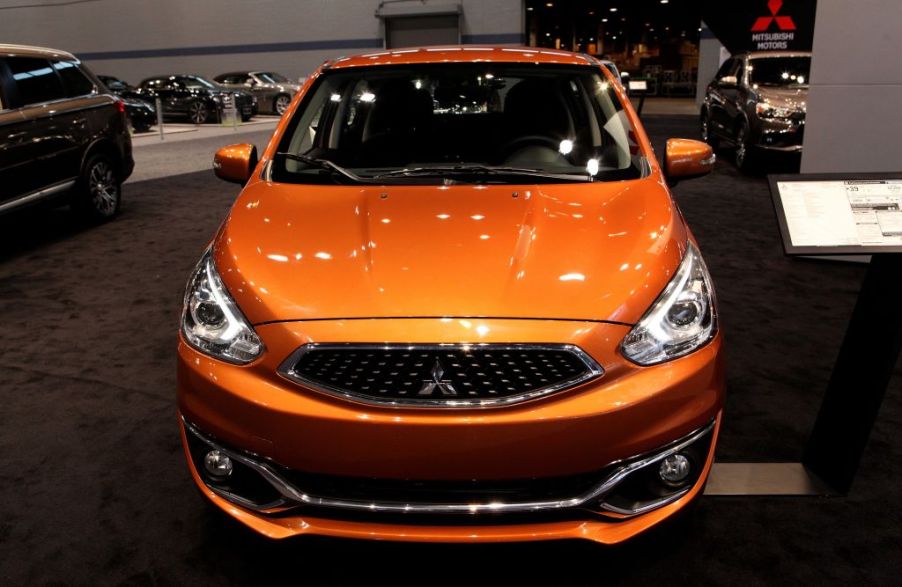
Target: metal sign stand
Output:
{"points": [[867, 359], [869, 351]]}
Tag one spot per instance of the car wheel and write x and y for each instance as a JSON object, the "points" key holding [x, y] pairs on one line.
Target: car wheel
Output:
{"points": [[140, 127], [706, 132], [280, 105], [743, 155], [198, 113], [99, 189]]}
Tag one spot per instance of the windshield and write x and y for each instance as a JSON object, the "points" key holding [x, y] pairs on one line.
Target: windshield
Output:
{"points": [[197, 82], [270, 77], [779, 71], [485, 123]]}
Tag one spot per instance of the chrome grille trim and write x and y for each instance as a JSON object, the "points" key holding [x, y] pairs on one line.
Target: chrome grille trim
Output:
{"points": [[592, 371]]}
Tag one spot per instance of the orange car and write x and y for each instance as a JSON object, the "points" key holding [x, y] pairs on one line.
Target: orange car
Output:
{"points": [[455, 301]]}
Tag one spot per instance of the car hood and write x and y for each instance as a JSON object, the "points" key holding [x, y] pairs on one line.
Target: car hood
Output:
{"points": [[594, 251], [794, 98]]}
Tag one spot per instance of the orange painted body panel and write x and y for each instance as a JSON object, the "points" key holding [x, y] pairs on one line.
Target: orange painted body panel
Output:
{"points": [[575, 263], [600, 251], [597, 530], [628, 411]]}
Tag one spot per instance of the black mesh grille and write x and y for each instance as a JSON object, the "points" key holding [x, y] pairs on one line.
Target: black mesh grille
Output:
{"points": [[443, 375]]}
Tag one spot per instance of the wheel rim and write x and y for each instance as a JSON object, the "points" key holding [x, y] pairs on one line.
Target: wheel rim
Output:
{"points": [[103, 188], [198, 113], [282, 104], [740, 147]]}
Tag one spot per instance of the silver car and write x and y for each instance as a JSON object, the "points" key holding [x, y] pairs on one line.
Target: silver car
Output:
{"points": [[272, 90]]}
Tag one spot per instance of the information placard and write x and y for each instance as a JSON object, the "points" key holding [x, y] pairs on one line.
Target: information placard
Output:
{"points": [[830, 214]]}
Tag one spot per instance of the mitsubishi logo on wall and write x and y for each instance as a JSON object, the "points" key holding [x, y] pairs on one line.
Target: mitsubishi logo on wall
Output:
{"points": [[761, 25], [444, 386], [764, 38], [784, 23]]}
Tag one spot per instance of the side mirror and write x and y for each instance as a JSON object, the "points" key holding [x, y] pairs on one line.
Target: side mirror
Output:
{"points": [[685, 159], [235, 163], [728, 81]]}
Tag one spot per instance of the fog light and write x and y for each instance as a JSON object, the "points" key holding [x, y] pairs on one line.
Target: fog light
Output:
{"points": [[674, 470], [218, 465]]}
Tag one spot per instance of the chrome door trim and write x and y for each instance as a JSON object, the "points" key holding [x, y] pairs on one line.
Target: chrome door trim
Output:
{"points": [[594, 370], [38, 195]]}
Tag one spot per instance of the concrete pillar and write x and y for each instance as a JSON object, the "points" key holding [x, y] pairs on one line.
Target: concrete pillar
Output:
{"points": [[853, 122]]}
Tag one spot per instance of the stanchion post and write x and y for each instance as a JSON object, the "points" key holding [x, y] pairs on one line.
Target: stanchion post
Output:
{"points": [[159, 106]]}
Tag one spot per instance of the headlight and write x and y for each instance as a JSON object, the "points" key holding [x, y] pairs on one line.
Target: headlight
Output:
{"points": [[766, 110], [212, 322], [682, 319]]}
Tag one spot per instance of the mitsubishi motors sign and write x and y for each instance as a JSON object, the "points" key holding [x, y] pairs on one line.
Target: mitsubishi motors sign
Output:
{"points": [[761, 25], [764, 35]]}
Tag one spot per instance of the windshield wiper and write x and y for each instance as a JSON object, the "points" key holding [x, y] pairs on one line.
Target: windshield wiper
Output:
{"points": [[481, 169], [325, 164]]}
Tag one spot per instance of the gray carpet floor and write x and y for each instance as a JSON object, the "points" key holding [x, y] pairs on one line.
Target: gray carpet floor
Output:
{"points": [[93, 488]]}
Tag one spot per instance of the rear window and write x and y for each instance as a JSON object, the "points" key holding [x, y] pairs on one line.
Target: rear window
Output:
{"points": [[76, 82], [35, 80]]}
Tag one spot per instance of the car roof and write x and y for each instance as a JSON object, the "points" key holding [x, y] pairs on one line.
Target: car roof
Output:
{"points": [[460, 54], [230, 73], [31, 51]]}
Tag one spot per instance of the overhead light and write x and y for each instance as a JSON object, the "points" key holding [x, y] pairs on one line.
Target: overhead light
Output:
{"points": [[604, 20], [549, 4], [614, 9], [665, 1], [529, 8]]}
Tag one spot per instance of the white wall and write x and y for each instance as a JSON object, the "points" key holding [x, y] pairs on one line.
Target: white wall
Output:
{"points": [[853, 122], [209, 37], [711, 55]]}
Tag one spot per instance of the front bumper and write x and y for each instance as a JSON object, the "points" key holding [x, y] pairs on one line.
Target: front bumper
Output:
{"points": [[781, 134], [629, 411]]}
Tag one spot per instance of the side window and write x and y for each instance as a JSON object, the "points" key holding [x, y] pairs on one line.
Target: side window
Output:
{"points": [[725, 68], [36, 81], [76, 82]]}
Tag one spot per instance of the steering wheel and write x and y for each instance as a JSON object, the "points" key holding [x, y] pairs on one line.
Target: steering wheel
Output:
{"points": [[521, 142]]}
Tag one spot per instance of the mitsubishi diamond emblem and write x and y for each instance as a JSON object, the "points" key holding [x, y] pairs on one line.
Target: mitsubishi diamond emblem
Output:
{"points": [[443, 386]]}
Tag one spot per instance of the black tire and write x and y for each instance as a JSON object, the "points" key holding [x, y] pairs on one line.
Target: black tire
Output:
{"points": [[280, 104], [744, 155], [141, 127], [246, 117], [198, 113], [98, 192], [705, 130]]}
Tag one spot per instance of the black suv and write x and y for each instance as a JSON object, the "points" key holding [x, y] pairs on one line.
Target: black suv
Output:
{"points": [[60, 135], [141, 114], [757, 103], [196, 97]]}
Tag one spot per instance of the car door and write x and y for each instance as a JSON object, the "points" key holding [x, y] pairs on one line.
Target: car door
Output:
{"points": [[49, 140], [166, 91], [722, 96], [180, 95], [82, 113], [14, 130]]}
